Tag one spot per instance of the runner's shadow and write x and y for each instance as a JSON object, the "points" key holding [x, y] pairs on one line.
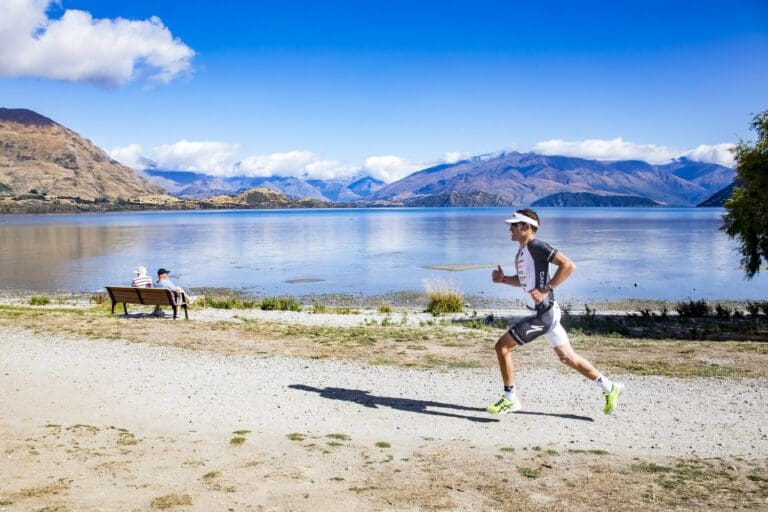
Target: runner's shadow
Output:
{"points": [[402, 404], [564, 416]]}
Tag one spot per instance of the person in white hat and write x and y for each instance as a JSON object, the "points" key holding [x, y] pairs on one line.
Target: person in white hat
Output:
{"points": [[532, 275], [141, 279]]}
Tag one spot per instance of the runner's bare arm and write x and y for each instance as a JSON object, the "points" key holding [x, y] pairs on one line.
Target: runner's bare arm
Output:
{"points": [[565, 268], [497, 276]]}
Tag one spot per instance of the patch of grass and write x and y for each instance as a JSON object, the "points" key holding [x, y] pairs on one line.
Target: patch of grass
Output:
{"points": [[592, 452], [126, 439], [340, 437], [237, 440], [241, 432], [280, 304], [506, 449], [39, 300], [443, 297], [171, 500], [34, 313], [385, 308], [531, 473], [81, 426], [319, 307], [296, 436], [226, 302], [678, 369], [57, 487], [383, 444], [336, 479], [211, 475], [552, 452], [650, 467]]}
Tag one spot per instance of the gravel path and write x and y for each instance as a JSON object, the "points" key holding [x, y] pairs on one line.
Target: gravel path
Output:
{"points": [[46, 378]]}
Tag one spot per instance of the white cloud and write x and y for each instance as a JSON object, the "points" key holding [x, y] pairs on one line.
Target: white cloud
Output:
{"points": [[719, 154], [132, 156], [210, 157], [77, 47], [618, 149], [451, 157], [299, 164], [389, 168]]}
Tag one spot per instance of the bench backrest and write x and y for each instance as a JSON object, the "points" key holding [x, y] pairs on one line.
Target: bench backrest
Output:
{"points": [[150, 296]]}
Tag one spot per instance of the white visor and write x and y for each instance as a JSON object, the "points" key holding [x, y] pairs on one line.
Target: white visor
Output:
{"points": [[519, 217]]}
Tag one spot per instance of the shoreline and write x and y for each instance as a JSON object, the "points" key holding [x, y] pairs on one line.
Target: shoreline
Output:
{"points": [[403, 300]]}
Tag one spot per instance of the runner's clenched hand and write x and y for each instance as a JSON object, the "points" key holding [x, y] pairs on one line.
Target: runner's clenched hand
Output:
{"points": [[497, 276]]}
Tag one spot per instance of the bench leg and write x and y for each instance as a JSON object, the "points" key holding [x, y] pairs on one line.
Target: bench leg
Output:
{"points": [[125, 308], [186, 315], [175, 312], [113, 307]]}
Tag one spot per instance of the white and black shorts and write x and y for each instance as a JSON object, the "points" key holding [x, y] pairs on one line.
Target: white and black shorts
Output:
{"points": [[545, 321]]}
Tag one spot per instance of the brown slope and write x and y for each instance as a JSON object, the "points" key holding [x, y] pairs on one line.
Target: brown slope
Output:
{"points": [[39, 154]]}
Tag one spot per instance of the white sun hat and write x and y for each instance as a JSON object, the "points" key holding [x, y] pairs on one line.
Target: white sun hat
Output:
{"points": [[519, 217]]}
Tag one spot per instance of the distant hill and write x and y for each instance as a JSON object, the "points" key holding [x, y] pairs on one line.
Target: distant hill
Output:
{"points": [[199, 185], [474, 199], [720, 197], [585, 199], [41, 158], [523, 178]]}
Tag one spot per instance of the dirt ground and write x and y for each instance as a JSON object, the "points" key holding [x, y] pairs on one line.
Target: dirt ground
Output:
{"points": [[66, 444]]}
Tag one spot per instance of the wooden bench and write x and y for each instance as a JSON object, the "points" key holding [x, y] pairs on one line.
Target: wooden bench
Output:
{"points": [[147, 296]]}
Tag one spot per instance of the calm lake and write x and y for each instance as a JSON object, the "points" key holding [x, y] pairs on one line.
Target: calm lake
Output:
{"points": [[670, 254]]}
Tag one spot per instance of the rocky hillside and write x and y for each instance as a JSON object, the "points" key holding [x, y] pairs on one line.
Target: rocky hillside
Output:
{"points": [[523, 178], [41, 159]]}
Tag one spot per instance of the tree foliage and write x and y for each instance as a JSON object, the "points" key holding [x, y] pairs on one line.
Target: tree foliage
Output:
{"points": [[746, 216]]}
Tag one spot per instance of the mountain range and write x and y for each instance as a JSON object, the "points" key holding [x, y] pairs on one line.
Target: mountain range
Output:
{"points": [[199, 185], [41, 159], [523, 178]]}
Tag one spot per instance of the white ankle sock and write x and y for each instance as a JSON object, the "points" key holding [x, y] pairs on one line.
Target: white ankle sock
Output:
{"points": [[605, 384]]}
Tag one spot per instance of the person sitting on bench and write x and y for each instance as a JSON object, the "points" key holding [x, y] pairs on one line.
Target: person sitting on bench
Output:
{"points": [[163, 281], [142, 280]]}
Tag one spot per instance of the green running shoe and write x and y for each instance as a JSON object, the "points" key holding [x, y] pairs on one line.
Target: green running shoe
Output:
{"points": [[504, 405], [613, 397]]}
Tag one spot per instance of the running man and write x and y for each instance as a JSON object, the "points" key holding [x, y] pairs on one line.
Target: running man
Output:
{"points": [[532, 264]]}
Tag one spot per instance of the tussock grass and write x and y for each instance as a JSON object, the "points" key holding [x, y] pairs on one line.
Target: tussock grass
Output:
{"points": [[280, 304], [443, 297], [39, 300], [226, 303]]}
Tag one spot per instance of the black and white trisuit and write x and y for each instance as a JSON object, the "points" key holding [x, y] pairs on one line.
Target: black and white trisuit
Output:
{"points": [[532, 264]]}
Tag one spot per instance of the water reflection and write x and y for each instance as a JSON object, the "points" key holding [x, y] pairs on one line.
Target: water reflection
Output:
{"points": [[668, 253]]}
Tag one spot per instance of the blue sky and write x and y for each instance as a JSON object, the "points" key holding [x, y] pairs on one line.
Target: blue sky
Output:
{"points": [[337, 88]]}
